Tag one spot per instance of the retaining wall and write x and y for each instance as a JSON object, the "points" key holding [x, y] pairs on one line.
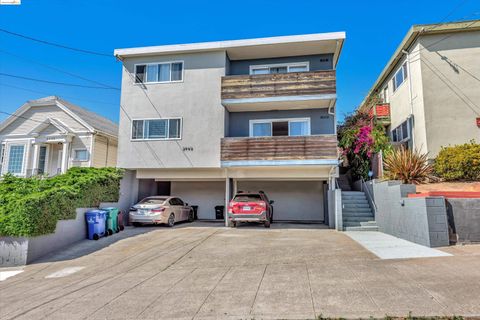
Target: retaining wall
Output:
{"points": [[419, 220], [16, 251], [464, 220]]}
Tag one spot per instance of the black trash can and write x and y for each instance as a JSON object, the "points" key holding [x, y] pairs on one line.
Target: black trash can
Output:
{"points": [[195, 211], [219, 212]]}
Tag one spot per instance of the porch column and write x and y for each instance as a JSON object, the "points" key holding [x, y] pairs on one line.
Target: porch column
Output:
{"points": [[64, 164], [36, 150]]}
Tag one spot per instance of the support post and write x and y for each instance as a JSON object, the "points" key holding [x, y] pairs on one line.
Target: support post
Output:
{"points": [[65, 149], [228, 195], [36, 151]]}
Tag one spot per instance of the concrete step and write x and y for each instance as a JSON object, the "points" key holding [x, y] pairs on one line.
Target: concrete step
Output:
{"points": [[352, 192], [359, 219], [355, 201], [357, 214], [360, 228], [349, 198], [355, 209], [369, 224], [356, 205]]}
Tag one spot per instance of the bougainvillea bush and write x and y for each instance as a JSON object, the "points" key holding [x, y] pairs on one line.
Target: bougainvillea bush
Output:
{"points": [[32, 206], [359, 138]]}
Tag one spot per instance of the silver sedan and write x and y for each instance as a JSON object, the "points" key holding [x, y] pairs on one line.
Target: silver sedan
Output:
{"points": [[160, 210]]}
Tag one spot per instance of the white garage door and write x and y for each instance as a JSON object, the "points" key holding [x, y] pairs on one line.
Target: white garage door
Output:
{"points": [[294, 200], [206, 195]]}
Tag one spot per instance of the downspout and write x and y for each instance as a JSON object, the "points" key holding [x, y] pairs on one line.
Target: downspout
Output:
{"points": [[410, 95]]}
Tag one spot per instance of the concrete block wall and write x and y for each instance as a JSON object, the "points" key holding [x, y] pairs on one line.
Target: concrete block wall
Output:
{"points": [[464, 219], [419, 220]]}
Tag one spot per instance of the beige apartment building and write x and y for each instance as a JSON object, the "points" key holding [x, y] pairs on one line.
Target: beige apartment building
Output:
{"points": [[428, 94]]}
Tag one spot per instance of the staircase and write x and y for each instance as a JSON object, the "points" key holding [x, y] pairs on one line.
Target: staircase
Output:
{"points": [[357, 214]]}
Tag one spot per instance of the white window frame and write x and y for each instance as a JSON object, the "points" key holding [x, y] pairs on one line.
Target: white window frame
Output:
{"points": [[402, 68], [252, 122], [74, 151], [3, 147], [276, 65], [23, 170], [408, 132], [157, 63], [386, 94], [167, 128]]}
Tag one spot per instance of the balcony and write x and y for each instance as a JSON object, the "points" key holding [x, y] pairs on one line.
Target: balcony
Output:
{"points": [[295, 90], [280, 150], [381, 112]]}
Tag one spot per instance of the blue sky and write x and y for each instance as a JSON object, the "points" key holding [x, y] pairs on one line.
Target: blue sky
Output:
{"points": [[374, 29]]}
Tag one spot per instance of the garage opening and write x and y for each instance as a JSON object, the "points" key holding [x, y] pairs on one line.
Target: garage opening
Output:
{"points": [[299, 201]]}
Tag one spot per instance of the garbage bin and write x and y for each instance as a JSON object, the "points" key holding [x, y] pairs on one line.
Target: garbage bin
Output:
{"points": [[219, 212], [95, 224], [195, 210], [111, 221], [121, 225]]}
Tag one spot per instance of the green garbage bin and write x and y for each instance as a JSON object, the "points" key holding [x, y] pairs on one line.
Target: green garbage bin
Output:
{"points": [[111, 220]]}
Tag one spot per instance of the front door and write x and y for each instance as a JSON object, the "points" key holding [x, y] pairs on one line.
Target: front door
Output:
{"points": [[42, 159], [59, 162]]}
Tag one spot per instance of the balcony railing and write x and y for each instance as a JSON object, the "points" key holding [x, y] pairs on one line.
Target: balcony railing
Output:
{"points": [[381, 112], [319, 147], [279, 85]]}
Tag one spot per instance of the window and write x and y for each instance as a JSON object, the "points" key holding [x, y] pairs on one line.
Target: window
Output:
{"points": [[402, 132], [80, 155], [400, 76], [159, 72], [15, 159], [156, 129], [2, 154], [385, 97], [280, 68], [280, 127]]}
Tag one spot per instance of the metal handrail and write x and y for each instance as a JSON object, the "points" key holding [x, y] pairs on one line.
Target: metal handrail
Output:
{"points": [[370, 197]]}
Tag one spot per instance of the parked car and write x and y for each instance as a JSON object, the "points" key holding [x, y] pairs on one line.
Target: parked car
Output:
{"points": [[160, 209], [250, 207]]}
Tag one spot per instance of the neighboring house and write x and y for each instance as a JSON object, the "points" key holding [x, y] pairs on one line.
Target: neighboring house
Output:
{"points": [[203, 120], [428, 95], [49, 135]]}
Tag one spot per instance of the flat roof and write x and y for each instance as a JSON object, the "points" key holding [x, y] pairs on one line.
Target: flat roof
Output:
{"points": [[297, 45], [411, 36]]}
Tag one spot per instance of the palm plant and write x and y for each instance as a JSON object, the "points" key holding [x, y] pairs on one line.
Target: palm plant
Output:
{"points": [[409, 166]]}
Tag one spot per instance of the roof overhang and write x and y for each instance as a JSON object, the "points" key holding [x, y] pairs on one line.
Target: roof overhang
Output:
{"points": [[411, 37], [297, 45]]}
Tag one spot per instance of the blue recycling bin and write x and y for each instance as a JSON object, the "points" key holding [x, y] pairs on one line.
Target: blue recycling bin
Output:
{"points": [[95, 223]]}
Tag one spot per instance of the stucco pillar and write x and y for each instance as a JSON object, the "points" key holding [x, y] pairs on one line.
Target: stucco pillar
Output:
{"points": [[65, 149], [228, 195]]}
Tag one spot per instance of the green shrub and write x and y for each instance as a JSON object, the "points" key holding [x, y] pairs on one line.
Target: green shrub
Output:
{"points": [[32, 206], [461, 162], [409, 166]]}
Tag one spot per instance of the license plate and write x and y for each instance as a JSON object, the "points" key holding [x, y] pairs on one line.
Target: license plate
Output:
{"points": [[142, 212], [247, 208]]}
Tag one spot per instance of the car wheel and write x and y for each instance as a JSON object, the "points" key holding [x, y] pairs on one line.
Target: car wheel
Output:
{"points": [[267, 224], [171, 220], [190, 216]]}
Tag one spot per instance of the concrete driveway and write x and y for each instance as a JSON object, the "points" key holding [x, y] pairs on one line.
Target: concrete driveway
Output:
{"points": [[205, 271]]}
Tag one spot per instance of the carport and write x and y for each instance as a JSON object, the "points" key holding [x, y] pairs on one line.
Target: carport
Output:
{"points": [[294, 200], [204, 188]]}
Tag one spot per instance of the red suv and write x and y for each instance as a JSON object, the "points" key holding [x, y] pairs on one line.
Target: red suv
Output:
{"points": [[250, 207]]}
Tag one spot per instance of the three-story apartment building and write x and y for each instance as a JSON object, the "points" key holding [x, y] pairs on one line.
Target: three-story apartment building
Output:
{"points": [[427, 95], [204, 120]]}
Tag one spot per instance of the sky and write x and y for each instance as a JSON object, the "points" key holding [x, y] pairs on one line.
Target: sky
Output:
{"points": [[373, 29]]}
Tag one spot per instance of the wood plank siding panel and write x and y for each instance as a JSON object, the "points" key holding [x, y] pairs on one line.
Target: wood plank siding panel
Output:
{"points": [[274, 85], [279, 148]]}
